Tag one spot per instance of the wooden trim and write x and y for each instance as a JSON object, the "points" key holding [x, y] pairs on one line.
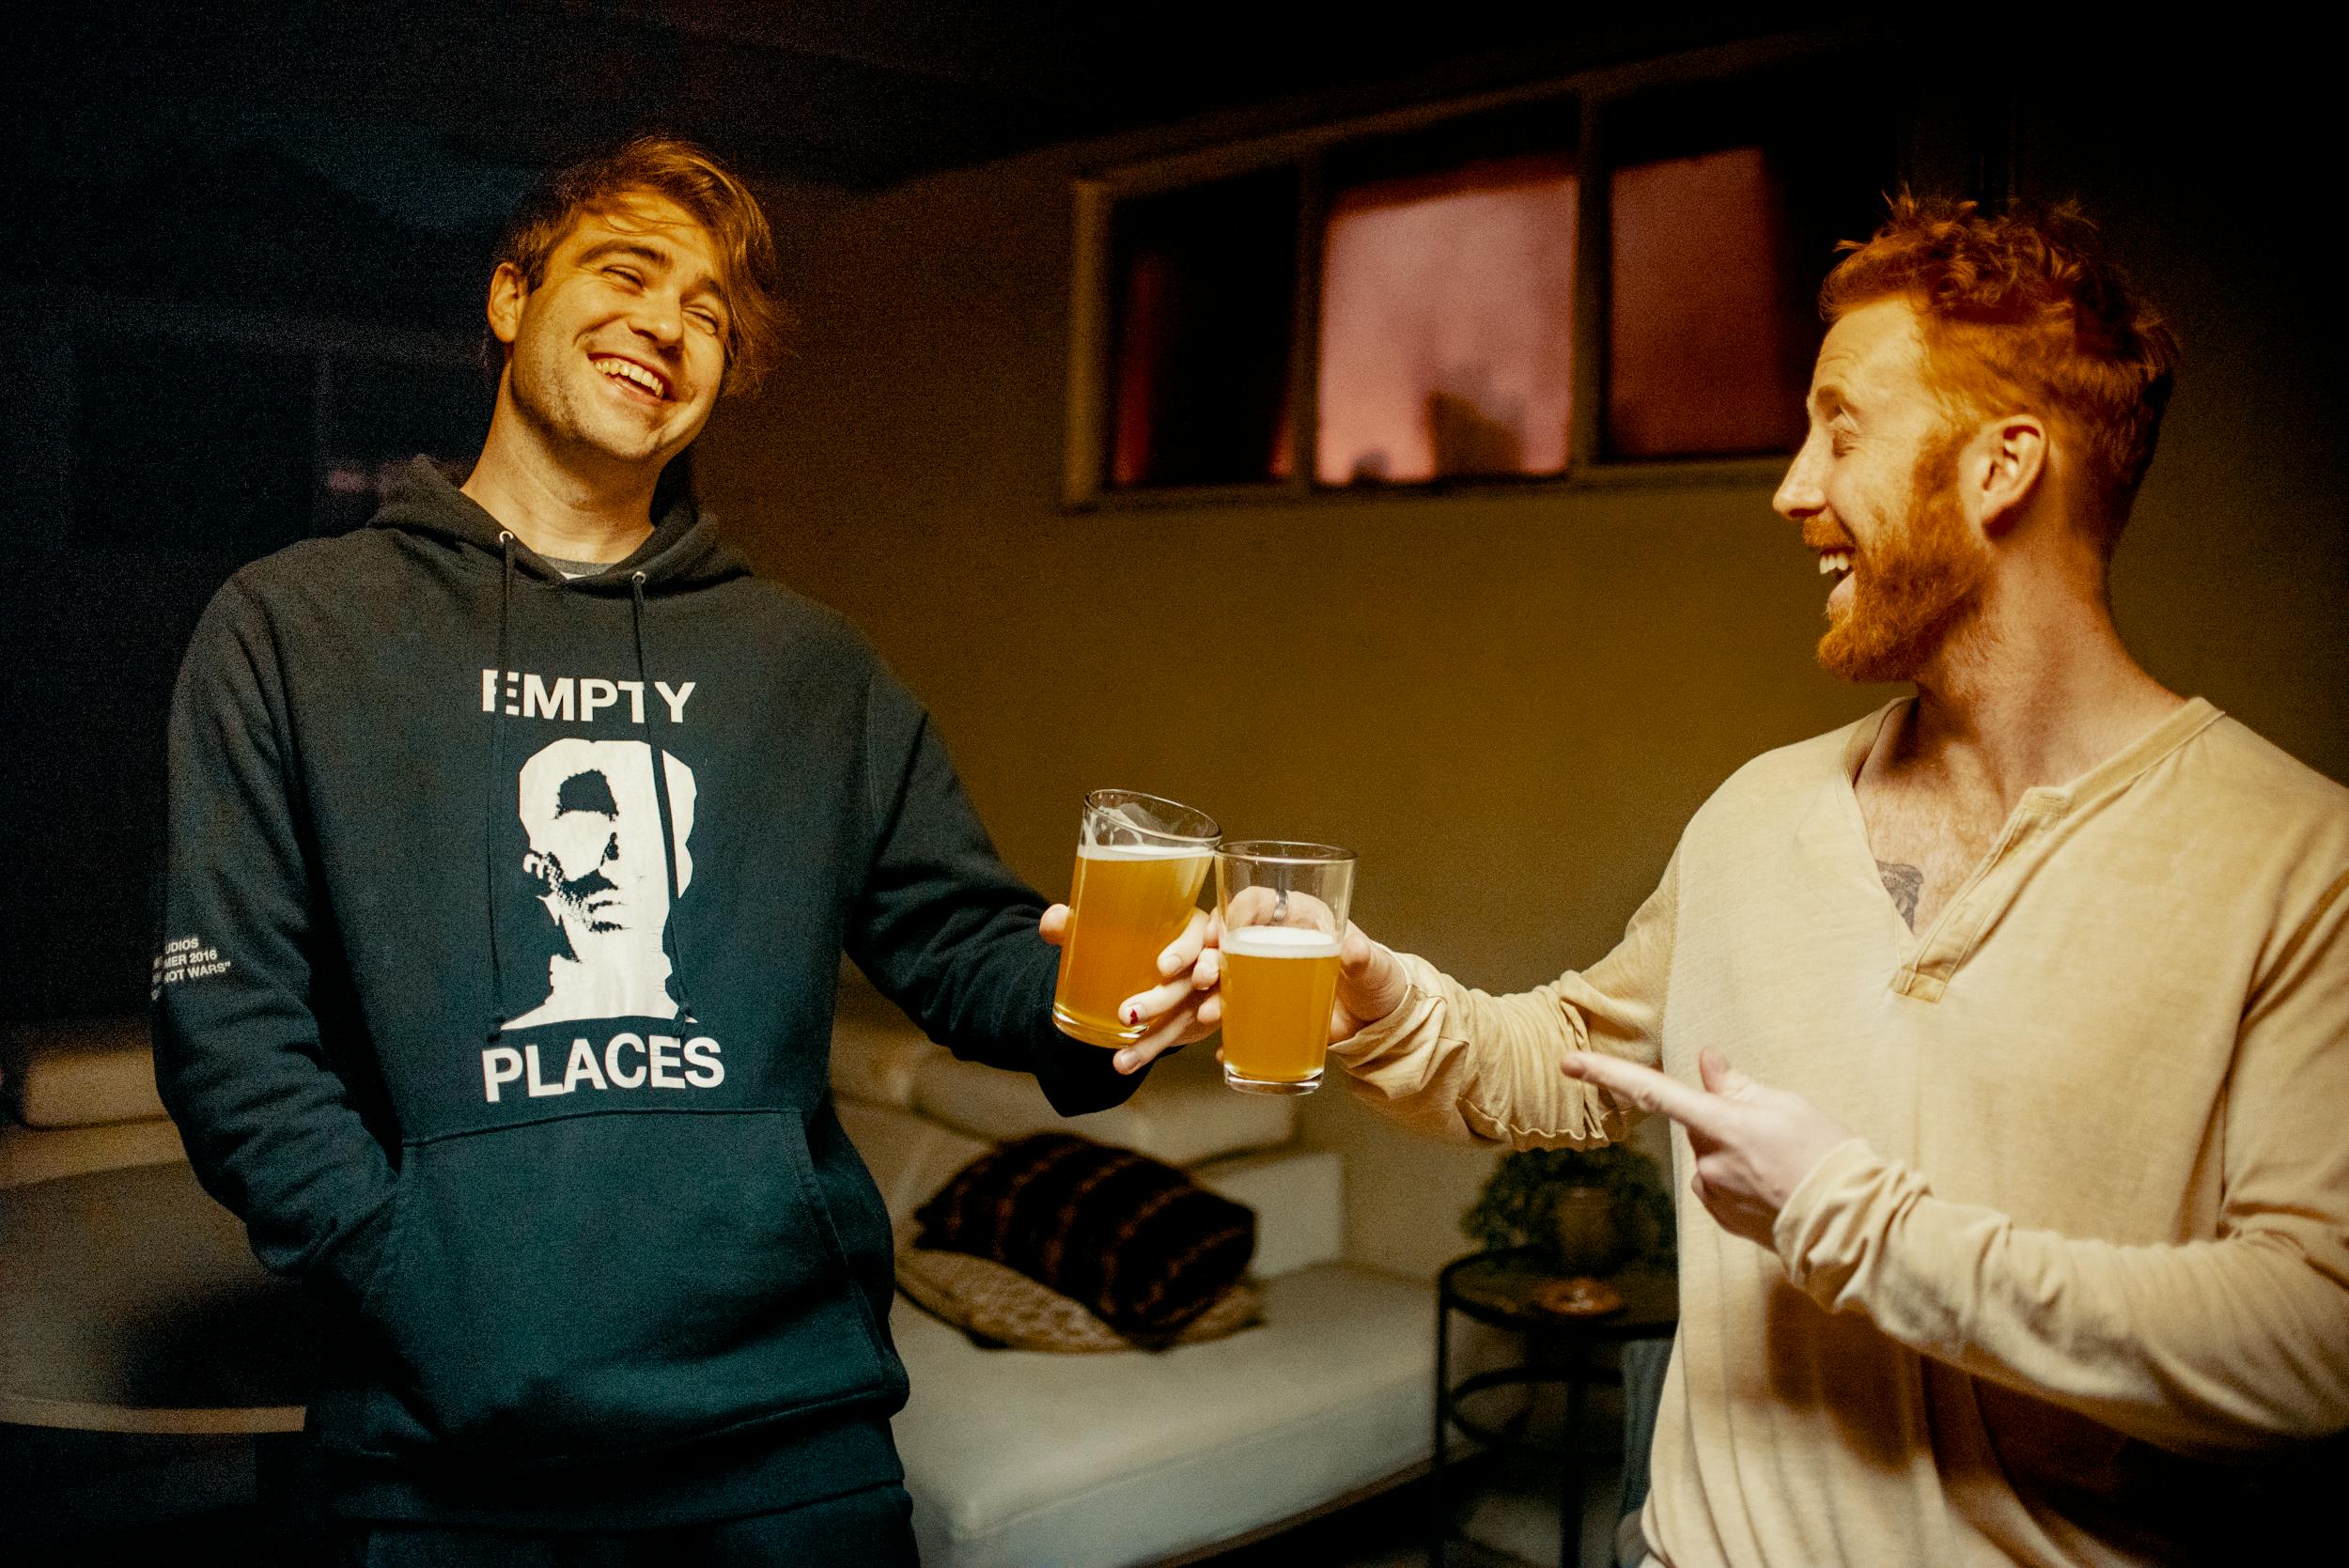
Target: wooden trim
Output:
{"points": [[1594, 267], [80, 1415], [1656, 474], [1086, 446], [1313, 221]]}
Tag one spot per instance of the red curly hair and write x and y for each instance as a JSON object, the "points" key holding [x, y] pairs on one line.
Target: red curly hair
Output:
{"points": [[2024, 311]]}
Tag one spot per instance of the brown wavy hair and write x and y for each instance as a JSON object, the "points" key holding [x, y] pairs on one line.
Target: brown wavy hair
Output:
{"points": [[713, 194], [2026, 311]]}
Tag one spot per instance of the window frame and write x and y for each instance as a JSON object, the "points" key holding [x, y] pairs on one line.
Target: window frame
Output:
{"points": [[1587, 95]]}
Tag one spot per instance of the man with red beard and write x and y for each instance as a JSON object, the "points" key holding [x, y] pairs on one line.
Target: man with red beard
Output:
{"points": [[2033, 1212]]}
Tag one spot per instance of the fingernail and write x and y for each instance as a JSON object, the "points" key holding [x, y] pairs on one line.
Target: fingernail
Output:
{"points": [[1126, 1061], [1133, 1015]]}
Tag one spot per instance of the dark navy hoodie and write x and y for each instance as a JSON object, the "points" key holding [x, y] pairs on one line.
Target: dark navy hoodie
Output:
{"points": [[501, 926]]}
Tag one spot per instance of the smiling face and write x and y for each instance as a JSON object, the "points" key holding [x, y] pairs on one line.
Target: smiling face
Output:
{"points": [[619, 349], [1876, 490]]}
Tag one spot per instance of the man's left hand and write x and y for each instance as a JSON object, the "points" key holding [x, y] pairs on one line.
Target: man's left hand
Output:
{"points": [[1753, 1144], [1186, 1007]]}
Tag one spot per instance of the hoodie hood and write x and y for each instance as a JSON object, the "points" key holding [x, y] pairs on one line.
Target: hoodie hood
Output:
{"points": [[683, 553]]}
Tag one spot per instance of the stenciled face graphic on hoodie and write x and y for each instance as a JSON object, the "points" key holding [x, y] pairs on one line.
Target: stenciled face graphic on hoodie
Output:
{"points": [[592, 818]]}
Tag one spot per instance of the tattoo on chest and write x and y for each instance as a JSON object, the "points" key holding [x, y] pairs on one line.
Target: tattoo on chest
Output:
{"points": [[1903, 882]]}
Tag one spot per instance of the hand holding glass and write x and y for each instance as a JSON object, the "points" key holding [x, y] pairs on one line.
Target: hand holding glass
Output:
{"points": [[1140, 863], [1283, 909]]}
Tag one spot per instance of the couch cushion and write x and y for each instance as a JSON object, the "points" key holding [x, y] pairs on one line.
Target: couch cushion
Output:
{"points": [[1001, 1308], [1181, 1115], [1300, 1199], [1016, 1458], [27, 1155], [78, 1072], [1135, 1240]]}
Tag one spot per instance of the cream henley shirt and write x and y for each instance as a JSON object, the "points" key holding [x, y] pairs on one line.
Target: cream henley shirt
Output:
{"points": [[2090, 1239]]}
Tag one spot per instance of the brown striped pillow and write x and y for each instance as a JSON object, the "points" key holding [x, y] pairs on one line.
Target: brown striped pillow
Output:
{"points": [[1138, 1242], [1001, 1308]]}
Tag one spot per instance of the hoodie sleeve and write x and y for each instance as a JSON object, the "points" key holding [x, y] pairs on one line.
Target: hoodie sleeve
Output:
{"points": [[946, 931], [268, 1124]]}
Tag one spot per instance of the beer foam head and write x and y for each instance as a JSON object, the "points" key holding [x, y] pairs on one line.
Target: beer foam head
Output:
{"points": [[1142, 853], [1280, 941]]}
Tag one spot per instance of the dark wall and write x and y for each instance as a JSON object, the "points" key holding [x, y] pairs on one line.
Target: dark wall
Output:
{"points": [[231, 322]]}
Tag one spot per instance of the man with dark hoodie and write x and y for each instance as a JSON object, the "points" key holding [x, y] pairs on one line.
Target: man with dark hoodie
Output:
{"points": [[526, 831]]}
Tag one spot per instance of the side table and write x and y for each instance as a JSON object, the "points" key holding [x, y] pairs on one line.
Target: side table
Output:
{"points": [[1499, 1288]]}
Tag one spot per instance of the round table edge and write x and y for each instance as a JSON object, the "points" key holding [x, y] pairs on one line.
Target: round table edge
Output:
{"points": [[89, 1416]]}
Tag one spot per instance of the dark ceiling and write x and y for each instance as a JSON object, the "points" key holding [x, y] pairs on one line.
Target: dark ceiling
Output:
{"points": [[855, 93]]}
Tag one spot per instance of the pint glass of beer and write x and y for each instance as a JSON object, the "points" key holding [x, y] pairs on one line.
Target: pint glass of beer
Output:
{"points": [[1284, 908], [1140, 863]]}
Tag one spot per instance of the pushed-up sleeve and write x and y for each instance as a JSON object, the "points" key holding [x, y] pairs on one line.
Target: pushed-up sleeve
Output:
{"points": [[269, 1124], [2235, 1343], [1468, 1066]]}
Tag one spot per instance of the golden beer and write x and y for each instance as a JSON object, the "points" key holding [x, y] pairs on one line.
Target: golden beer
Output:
{"points": [[1126, 902], [1278, 984], [1282, 905]]}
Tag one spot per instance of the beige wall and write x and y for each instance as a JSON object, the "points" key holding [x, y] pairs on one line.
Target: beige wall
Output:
{"points": [[1508, 703]]}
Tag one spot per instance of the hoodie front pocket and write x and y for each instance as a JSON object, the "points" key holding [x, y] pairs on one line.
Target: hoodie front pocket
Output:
{"points": [[604, 1285]]}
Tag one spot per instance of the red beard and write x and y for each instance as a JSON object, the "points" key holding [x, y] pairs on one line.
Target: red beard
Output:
{"points": [[1916, 586]]}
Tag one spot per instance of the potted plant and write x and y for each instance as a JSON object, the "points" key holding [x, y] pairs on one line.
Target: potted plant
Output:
{"points": [[1582, 1211]]}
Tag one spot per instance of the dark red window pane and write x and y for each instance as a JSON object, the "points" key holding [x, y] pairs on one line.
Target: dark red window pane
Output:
{"points": [[1203, 283], [1698, 340], [1447, 322], [1724, 206]]}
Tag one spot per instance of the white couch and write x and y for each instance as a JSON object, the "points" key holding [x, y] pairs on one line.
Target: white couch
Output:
{"points": [[79, 1094], [1020, 1459], [1015, 1459]]}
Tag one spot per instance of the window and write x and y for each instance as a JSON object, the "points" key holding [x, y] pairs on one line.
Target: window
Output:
{"points": [[1202, 332], [1725, 203], [1619, 271], [1446, 344]]}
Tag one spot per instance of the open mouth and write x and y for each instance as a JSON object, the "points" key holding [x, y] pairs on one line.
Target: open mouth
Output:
{"points": [[1834, 563], [633, 377]]}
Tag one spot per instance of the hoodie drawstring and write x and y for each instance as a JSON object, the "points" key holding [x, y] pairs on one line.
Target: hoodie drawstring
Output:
{"points": [[490, 791], [672, 938]]}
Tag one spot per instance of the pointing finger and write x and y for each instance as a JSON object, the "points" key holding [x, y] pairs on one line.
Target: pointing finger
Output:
{"points": [[1646, 1088]]}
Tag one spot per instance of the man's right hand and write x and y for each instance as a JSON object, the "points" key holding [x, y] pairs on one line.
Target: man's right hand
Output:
{"points": [[1371, 984]]}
